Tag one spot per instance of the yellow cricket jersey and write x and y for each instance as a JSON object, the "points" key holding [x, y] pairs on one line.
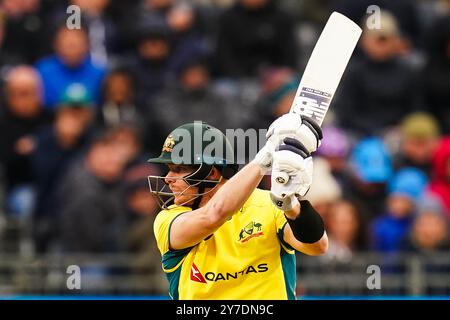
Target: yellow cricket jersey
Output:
{"points": [[246, 258]]}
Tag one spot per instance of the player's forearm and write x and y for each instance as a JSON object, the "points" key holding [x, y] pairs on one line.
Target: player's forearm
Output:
{"points": [[233, 194]]}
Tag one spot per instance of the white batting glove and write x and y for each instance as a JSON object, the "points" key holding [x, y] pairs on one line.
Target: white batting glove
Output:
{"points": [[264, 158], [291, 178], [301, 128]]}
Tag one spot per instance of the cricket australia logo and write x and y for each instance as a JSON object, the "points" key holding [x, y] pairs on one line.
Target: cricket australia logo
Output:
{"points": [[168, 144], [251, 230]]}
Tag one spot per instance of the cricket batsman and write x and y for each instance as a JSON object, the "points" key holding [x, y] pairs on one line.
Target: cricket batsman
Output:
{"points": [[220, 236]]}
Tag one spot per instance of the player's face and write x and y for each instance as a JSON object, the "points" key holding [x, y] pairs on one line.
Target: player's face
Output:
{"points": [[174, 179]]}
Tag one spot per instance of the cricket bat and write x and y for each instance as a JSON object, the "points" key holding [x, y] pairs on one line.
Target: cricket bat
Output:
{"points": [[324, 69]]}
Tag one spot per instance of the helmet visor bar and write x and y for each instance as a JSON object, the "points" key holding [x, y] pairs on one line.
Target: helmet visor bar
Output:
{"points": [[166, 196]]}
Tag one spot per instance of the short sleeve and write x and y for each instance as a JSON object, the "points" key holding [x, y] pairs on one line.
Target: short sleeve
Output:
{"points": [[280, 224], [161, 229]]}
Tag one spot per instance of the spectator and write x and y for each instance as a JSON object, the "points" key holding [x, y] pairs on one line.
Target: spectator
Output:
{"points": [[146, 12], [127, 142], [56, 147], [158, 7], [371, 167], [254, 34], [429, 233], [23, 115], [194, 98], [92, 207], [335, 149], [440, 183], [406, 11], [346, 230], [278, 88], [70, 64], [150, 65], [419, 138], [142, 209], [436, 75], [380, 82], [24, 28], [186, 37], [325, 191], [405, 190], [101, 29], [118, 100]]}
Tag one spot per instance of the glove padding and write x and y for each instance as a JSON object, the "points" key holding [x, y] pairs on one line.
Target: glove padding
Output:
{"points": [[301, 128], [291, 174], [264, 158], [305, 133]]}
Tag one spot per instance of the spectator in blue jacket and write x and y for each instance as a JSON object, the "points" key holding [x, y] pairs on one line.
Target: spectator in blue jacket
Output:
{"points": [[371, 169], [70, 64], [405, 189]]}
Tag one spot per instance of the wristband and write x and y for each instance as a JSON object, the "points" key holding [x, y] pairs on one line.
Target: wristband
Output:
{"points": [[308, 227]]}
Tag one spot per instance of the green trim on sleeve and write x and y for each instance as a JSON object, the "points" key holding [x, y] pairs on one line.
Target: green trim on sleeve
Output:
{"points": [[174, 281], [170, 226], [288, 263], [172, 258], [172, 262], [280, 235]]}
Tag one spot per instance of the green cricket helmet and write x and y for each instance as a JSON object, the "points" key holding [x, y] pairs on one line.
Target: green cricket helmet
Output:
{"points": [[199, 145]]}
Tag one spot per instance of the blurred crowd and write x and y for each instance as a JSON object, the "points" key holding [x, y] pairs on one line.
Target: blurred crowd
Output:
{"points": [[82, 109]]}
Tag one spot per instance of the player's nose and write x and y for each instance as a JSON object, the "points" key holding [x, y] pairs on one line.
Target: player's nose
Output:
{"points": [[169, 178]]}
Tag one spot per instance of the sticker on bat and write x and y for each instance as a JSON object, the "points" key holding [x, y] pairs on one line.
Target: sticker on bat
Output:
{"points": [[313, 103]]}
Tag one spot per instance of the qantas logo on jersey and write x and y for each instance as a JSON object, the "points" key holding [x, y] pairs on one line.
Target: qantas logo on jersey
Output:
{"points": [[197, 276]]}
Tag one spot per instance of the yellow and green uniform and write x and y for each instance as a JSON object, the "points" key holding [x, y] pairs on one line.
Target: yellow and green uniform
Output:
{"points": [[246, 258]]}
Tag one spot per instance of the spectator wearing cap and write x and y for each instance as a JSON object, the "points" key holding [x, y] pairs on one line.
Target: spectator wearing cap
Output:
{"points": [[254, 34], [440, 182], [419, 136], [380, 88], [70, 64], [56, 147], [405, 190], [371, 169], [22, 116]]}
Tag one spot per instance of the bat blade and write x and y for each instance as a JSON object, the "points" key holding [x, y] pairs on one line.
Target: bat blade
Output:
{"points": [[325, 67]]}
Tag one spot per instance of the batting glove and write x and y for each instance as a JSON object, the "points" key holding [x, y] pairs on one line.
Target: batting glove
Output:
{"points": [[301, 128], [291, 174]]}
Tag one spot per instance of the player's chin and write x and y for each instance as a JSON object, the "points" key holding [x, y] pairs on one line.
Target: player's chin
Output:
{"points": [[184, 200]]}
